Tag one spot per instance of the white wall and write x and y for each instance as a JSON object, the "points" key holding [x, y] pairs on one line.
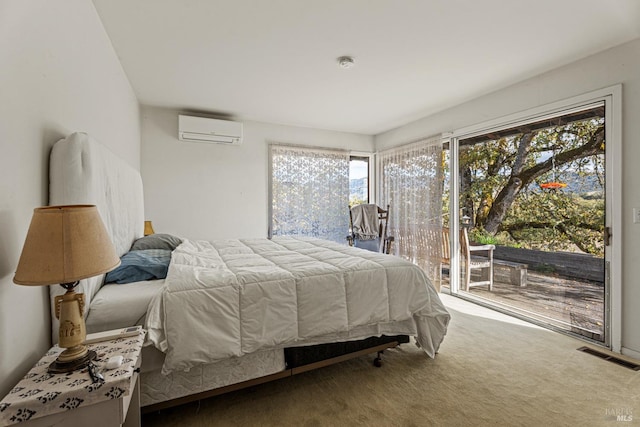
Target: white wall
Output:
{"points": [[58, 74], [617, 65], [213, 191]]}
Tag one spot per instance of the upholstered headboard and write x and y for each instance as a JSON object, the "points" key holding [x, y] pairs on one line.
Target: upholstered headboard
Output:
{"points": [[83, 171]]}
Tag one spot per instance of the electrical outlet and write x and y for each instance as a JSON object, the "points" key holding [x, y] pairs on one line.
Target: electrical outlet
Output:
{"points": [[636, 215]]}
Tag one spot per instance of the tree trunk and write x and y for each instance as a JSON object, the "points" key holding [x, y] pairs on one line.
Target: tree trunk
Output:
{"points": [[466, 205], [507, 195]]}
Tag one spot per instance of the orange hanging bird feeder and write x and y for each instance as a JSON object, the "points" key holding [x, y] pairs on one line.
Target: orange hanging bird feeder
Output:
{"points": [[552, 185]]}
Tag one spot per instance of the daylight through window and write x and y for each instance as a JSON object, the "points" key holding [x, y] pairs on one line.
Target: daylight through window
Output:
{"points": [[309, 192], [358, 180]]}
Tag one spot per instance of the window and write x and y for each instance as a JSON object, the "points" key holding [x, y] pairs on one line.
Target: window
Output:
{"points": [[359, 182], [309, 192]]}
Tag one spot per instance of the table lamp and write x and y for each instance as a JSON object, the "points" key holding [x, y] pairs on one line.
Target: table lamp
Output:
{"points": [[64, 245], [148, 228]]}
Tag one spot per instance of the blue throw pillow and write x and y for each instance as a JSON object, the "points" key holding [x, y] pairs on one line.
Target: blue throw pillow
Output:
{"points": [[135, 266]]}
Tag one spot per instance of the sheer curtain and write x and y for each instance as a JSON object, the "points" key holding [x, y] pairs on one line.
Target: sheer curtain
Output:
{"points": [[411, 182], [309, 192]]}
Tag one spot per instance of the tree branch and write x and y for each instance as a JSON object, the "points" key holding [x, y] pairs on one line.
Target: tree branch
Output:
{"points": [[522, 177]]}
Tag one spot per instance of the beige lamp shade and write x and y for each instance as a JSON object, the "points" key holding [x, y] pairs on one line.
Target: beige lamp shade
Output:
{"points": [[65, 244]]}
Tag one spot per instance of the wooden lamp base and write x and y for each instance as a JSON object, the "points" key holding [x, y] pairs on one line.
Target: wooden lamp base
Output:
{"points": [[60, 367]]}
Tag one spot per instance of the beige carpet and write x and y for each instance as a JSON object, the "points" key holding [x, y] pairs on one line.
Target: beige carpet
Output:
{"points": [[491, 370]]}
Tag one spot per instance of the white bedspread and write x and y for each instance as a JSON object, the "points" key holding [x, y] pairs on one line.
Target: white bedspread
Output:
{"points": [[228, 298]]}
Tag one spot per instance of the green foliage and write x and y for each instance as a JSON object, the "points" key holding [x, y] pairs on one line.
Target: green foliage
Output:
{"points": [[567, 219], [479, 235], [355, 200], [556, 221]]}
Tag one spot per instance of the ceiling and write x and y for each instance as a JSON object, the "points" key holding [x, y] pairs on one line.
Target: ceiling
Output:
{"points": [[276, 61]]}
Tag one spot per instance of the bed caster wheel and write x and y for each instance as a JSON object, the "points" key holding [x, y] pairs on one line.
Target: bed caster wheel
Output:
{"points": [[377, 362]]}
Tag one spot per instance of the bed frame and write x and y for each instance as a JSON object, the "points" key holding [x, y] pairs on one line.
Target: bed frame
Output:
{"points": [[84, 171], [300, 360]]}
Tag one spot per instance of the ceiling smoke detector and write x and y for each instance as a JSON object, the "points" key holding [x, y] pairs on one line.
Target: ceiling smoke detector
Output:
{"points": [[346, 62]]}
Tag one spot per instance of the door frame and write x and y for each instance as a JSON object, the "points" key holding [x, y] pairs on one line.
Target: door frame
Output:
{"points": [[612, 97]]}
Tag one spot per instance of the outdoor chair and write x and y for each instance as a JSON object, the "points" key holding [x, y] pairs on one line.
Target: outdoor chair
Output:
{"points": [[436, 243], [368, 228], [471, 261]]}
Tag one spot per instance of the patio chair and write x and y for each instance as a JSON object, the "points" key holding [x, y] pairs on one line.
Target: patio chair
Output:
{"points": [[368, 228], [436, 241], [471, 262]]}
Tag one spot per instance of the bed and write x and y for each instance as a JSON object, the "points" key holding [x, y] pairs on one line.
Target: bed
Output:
{"points": [[233, 313]]}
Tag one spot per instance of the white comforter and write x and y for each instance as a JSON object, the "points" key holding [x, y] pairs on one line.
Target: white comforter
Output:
{"points": [[228, 298]]}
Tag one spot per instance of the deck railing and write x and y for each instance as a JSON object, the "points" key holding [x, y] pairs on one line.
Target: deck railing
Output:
{"points": [[424, 248]]}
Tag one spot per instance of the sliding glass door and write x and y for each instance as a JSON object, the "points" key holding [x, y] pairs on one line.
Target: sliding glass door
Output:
{"points": [[535, 193]]}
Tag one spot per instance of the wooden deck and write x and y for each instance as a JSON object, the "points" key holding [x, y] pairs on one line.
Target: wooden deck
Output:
{"points": [[575, 305]]}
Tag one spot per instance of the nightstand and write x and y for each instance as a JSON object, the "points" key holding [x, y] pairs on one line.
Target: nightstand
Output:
{"points": [[72, 399]]}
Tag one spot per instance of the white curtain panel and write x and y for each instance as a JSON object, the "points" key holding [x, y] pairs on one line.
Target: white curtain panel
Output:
{"points": [[411, 181], [309, 192]]}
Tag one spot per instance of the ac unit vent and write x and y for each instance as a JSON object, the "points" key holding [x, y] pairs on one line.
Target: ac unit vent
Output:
{"points": [[213, 131]]}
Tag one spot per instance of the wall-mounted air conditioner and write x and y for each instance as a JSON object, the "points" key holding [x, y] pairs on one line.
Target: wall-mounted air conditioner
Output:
{"points": [[214, 131]]}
